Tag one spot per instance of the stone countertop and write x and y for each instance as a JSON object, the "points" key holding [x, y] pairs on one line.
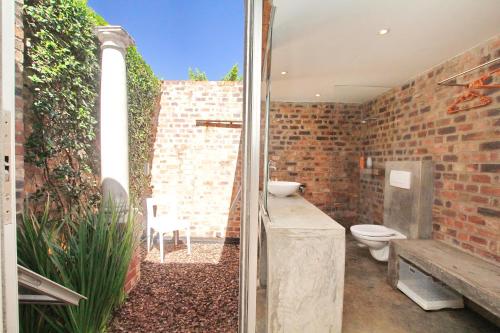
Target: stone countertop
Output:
{"points": [[301, 264], [295, 212]]}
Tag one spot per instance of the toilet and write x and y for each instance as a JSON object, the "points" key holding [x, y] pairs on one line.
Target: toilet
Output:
{"points": [[407, 207], [376, 238]]}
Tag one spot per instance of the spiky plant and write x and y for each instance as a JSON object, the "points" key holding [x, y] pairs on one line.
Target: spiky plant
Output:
{"points": [[88, 253]]}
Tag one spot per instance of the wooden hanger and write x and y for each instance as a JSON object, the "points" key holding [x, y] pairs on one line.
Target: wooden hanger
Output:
{"points": [[481, 83], [469, 96]]}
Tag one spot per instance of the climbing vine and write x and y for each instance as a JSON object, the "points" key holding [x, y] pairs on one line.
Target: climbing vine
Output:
{"points": [[62, 71], [62, 68], [143, 102]]}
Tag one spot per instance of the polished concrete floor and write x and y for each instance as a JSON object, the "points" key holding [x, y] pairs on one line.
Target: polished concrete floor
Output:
{"points": [[372, 306]]}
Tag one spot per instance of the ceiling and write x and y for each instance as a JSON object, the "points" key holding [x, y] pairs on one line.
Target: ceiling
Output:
{"points": [[332, 47]]}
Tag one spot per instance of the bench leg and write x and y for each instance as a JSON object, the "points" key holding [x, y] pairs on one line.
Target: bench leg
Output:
{"points": [[160, 236], [188, 239], [393, 266], [149, 238], [176, 238]]}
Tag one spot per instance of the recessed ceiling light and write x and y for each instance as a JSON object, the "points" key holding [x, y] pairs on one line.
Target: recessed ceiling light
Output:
{"points": [[384, 31], [317, 95], [284, 73]]}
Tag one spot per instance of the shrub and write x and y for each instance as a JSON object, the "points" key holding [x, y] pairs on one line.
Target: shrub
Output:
{"points": [[197, 75], [233, 74], [89, 254]]}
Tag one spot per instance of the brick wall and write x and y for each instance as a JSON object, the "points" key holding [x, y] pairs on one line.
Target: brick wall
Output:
{"points": [[320, 145], [413, 123], [316, 144], [198, 165], [267, 5], [134, 273]]}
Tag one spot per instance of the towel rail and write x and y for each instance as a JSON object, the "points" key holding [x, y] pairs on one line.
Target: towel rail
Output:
{"points": [[445, 82]]}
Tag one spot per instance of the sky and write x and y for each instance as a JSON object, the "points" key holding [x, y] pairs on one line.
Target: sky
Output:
{"points": [[173, 35]]}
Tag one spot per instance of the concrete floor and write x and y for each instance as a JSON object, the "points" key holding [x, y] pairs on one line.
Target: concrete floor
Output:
{"points": [[372, 306]]}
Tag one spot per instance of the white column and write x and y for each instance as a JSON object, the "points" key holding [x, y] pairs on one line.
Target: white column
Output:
{"points": [[114, 112]]}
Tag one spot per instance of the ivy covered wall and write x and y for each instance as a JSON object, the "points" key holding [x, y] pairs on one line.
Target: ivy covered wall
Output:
{"points": [[62, 91], [62, 72], [143, 108]]}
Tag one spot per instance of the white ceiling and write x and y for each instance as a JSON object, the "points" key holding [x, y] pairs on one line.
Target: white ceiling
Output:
{"points": [[332, 47]]}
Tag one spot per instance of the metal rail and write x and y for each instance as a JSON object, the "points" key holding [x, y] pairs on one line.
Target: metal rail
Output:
{"points": [[220, 123], [445, 82]]}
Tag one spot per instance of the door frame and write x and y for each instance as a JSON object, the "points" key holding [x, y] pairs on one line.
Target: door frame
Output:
{"points": [[8, 241], [251, 166]]}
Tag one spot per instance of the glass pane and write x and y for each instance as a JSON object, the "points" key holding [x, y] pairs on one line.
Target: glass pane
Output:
{"points": [[266, 92]]}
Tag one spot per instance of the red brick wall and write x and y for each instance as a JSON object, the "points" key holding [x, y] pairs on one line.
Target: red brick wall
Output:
{"points": [[413, 123], [320, 144], [266, 17], [316, 144], [134, 272], [198, 165]]}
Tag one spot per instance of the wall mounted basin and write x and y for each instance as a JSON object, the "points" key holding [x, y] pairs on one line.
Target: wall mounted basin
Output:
{"points": [[282, 189]]}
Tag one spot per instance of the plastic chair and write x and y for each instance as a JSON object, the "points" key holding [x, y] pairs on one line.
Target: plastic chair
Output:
{"points": [[164, 223]]}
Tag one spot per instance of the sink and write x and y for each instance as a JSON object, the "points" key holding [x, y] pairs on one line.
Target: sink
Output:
{"points": [[282, 189]]}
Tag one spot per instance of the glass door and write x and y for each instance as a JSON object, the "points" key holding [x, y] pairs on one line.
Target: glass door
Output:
{"points": [[266, 91], [250, 170]]}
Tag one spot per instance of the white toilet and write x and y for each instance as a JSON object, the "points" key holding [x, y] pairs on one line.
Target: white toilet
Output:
{"points": [[377, 238], [407, 207]]}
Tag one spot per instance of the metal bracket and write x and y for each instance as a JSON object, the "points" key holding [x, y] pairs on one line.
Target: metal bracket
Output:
{"points": [[6, 166], [47, 291]]}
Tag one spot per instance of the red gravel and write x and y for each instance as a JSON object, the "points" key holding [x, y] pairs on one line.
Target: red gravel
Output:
{"points": [[197, 293]]}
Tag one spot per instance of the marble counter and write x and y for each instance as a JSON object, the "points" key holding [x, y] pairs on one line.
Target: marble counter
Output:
{"points": [[301, 265]]}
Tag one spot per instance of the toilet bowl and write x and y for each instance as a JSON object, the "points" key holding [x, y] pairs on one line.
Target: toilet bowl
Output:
{"points": [[377, 238]]}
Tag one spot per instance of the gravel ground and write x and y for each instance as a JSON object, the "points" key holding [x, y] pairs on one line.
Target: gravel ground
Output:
{"points": [[196, 293]]}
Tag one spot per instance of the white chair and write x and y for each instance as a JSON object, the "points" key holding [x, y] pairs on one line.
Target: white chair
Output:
{"points": [[165, 223]]}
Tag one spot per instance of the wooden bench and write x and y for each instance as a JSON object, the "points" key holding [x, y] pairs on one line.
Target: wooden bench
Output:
{"points": [[473, 277]]}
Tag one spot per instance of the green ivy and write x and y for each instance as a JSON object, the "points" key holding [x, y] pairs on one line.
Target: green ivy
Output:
{"points": [[62, 66], [143, 103], [98, 19]]}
